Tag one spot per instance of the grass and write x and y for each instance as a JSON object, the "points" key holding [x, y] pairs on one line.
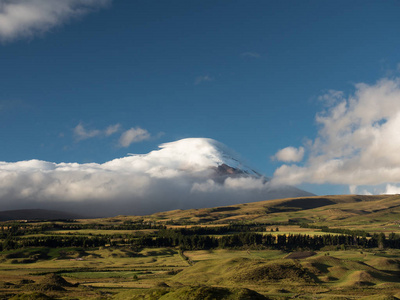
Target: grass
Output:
{"points": [[161, 273], [205, 292], [102, 232], [102, 274], [206, 255], [265, 272]]}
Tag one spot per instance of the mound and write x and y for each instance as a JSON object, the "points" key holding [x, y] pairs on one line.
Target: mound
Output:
{"points": [[141, 294], [350, 273], [31, 296], [26, 281], [244, 270], [327, 265], [385, 264], [207, 272], [278, 270], [338, 271], [217, 293], [360, 278], [51, 282], [300, 254], [56, 280]]}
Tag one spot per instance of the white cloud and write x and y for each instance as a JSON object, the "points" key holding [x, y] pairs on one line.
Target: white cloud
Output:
{"points": [[392, 189], [246, 183], [27, 18], [178, 175], [133, 135], [201, 79], [81, 133], [358, 142], [289, 154], [388, 189], [231, 184], [353, 189], [112, 129]]}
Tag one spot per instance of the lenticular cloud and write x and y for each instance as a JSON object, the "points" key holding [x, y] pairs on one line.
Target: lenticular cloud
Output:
{"points": [[183, 174]]}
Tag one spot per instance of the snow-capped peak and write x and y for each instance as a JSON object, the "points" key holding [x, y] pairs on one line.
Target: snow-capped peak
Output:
{"points": [[188, 173], [199, 154]]}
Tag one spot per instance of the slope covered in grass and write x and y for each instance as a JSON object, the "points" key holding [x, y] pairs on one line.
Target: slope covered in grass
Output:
{"points": [[309, 271], [341, 210], [215, 293], [246, 271]]}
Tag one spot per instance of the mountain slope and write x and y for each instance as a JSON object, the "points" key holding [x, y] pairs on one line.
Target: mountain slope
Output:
{"points": [[189, 173], [191, 156], [339, 210]]}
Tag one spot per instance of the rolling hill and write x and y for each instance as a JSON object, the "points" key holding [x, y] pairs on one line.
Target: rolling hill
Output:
{"points": [[355, 211], [276, 249]]}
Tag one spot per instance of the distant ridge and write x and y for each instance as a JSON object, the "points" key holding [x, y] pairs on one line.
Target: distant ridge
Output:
{"points": [[326, 210], [37, 214]]}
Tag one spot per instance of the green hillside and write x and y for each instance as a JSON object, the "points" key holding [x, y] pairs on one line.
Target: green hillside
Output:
{"points": [[345, 211], [330, 247]]}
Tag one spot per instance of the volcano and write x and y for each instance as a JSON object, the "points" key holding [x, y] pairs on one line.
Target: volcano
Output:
{"points": [[188, 173]]}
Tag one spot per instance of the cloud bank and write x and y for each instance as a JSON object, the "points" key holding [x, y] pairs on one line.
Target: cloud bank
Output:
{"points": [[358, 141], [27, 18], [180, 174]]}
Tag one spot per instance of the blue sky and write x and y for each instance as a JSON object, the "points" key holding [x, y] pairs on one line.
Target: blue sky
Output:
{"points": [[250, 74]]}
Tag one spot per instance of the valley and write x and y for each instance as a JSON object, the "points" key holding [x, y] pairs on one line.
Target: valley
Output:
{"points": [[331, 247]]}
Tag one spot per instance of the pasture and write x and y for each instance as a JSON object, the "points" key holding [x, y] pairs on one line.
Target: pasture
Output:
{"points": [[281, 251]]}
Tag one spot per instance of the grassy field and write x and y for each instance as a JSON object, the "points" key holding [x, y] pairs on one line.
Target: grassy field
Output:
{"points": [[122, 271], [270, 274]]}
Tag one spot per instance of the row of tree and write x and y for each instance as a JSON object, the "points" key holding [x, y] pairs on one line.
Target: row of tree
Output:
{"points": [[174, 238], [50, 228], [337, 230], [18, 229]]}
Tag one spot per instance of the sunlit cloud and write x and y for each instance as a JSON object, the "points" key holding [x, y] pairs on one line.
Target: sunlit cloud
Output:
{"points": [[392, 189], [180, 174], [134, 135], [358, 141], [289, 154], [28, 18]]}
